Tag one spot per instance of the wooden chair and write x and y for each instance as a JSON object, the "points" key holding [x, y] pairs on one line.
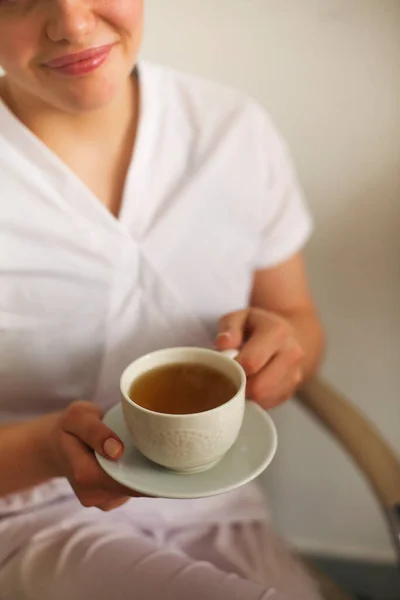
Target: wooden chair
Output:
{"points": [[368, 450]]}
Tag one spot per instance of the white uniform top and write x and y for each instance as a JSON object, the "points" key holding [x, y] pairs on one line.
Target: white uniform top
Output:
{"points": [[210, 196]]}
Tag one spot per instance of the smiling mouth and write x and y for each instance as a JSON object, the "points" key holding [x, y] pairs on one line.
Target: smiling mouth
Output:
{"points": [[80, 63]]}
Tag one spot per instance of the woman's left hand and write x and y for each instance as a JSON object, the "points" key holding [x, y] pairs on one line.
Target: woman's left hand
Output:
{"points": [[270, 354]]}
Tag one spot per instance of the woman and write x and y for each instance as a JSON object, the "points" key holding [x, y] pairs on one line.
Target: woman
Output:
{"points": [[137, 212]]}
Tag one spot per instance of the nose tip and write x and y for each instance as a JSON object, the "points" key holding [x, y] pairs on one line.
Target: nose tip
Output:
{"points": [[70, 23]]}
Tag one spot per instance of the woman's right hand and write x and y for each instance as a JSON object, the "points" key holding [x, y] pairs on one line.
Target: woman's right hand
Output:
{"points": [[76, 433]]}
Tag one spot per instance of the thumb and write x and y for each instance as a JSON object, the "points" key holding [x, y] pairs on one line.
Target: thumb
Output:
{"points": [[231, 330], [84, 423]]}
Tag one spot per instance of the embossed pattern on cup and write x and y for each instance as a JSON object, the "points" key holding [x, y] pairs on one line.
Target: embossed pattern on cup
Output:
{"points": [[185, 445]]}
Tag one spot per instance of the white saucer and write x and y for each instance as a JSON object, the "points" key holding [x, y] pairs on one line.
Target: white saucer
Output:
{"points": [[251, 454]]}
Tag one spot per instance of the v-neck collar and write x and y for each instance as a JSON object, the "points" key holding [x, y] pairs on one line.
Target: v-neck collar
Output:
{"points": [[61, 177]]}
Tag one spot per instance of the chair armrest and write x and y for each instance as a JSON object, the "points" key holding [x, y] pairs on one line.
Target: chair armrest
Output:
{"points": [[363, 442]]}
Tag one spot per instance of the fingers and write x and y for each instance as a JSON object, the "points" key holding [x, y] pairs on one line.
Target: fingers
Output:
{"points": [[258, 351], [83, 420], [91, 484], [277, 381], [231, 330], [268, 336], [113, 504], [266, 332], [81, 433], [270, 353]]}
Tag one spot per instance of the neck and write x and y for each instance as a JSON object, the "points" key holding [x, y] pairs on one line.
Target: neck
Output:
{"points": [[108, 123]]}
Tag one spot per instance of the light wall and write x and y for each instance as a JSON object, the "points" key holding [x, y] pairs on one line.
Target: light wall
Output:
{"points": [[329, 72]]}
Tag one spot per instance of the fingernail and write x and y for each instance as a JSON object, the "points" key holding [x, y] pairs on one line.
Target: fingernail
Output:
{"points": [[112, 447], [224, 335]]}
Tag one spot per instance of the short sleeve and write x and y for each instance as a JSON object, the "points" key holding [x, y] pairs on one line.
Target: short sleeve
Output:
{"points": [[285, 222]]}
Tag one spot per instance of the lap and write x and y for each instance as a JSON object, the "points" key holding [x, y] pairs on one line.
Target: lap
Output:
{"points": [[90, 554]]}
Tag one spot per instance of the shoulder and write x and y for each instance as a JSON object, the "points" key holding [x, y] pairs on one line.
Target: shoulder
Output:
{"points": [[209, 109], [199, 92]]}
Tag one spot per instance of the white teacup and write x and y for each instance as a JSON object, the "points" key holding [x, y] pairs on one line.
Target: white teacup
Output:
{"points": [[187, 443]]}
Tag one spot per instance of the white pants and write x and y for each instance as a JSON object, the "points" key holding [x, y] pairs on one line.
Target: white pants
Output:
{"points": [[66, 552]]}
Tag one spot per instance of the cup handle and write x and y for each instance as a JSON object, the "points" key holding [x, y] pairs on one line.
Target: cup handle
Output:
{"points": [[230, 353]]}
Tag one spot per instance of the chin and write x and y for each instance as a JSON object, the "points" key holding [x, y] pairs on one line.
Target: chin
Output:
{"points": [[87, 95], [88, 102]]}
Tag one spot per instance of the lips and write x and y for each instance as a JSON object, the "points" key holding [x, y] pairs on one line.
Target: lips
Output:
{"points": [[80, 62]]}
